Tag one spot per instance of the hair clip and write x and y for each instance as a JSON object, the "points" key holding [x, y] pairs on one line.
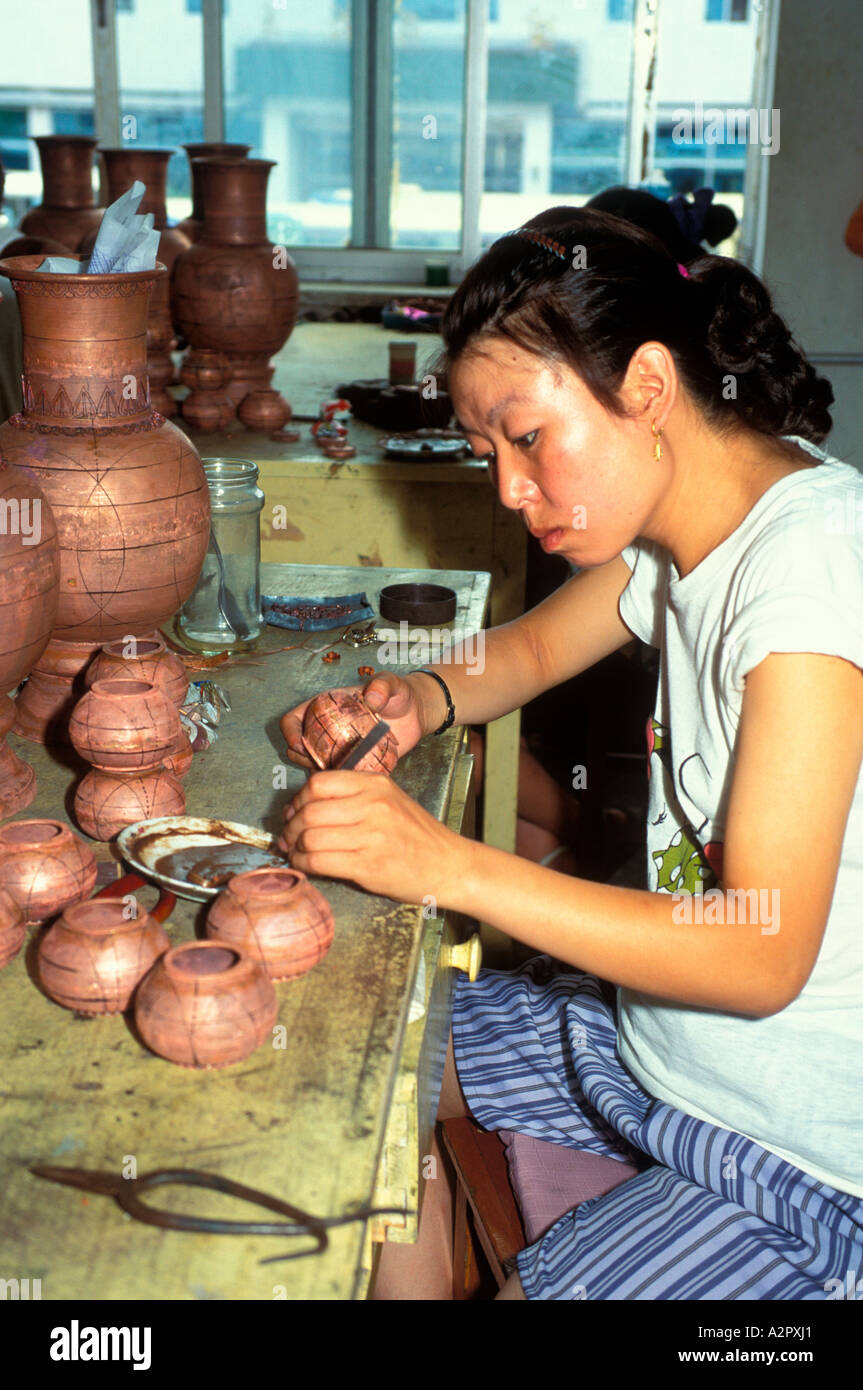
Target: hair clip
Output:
{"points": [[683, 271], [541, 239]]}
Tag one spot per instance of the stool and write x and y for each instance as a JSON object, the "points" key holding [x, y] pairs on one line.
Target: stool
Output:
{"points": [[510, 1189], [486, 1217]]}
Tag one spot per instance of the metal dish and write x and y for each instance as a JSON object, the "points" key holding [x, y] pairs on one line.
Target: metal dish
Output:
{"points": [[145, 843], [425, 445]]}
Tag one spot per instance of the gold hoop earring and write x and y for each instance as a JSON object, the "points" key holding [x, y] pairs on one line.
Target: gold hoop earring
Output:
{"points": [[657, 434]]}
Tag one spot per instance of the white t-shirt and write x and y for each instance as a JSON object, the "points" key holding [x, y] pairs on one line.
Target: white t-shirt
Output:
{"points": [[789, 579]]}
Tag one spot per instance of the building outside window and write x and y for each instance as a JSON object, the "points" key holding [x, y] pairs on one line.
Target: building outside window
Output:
{"points": [[368, 131], [726, 10]]}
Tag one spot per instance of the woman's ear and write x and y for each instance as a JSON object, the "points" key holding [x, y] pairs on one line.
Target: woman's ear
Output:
{"points": [[650, 386]]}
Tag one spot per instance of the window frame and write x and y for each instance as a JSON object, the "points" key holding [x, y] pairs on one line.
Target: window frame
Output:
{"points": [[371, 53]]}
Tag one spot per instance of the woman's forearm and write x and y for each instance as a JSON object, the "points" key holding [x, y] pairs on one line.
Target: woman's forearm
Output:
{"points": [[488, 675], [502, 669], [624, 935]]}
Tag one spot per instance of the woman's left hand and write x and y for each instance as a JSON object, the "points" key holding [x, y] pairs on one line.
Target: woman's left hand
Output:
{"points": [[362, 826]]}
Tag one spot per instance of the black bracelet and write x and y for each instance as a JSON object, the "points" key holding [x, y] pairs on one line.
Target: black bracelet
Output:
{"points": [[450, 707]]}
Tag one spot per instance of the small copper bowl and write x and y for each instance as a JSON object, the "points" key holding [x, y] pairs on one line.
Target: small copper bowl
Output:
{"points": [[44, 867], [95, 955], [277, 916], [124, 725], [334, 723], [141, 658], [205, 1005]]}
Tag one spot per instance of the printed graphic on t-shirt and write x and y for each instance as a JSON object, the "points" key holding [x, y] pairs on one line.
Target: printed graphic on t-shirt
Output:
{"points": [[682, 864]]}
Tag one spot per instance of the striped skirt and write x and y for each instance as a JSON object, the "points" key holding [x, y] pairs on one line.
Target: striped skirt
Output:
{"points": [[711, 1214]]}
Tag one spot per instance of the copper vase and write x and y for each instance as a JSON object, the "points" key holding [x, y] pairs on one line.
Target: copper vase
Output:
{"points": [[334, 723], [204, 1005], [29, 591], [68, 212], [122, 167], [36, 246], [233, 291], [264, 410], [125, 486], [95, 955], [203, 149], [44, 867], [205, 373], [277, 916]]}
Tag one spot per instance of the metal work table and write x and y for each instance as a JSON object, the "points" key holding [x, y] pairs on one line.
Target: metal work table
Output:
{"points": [[338, 1118]]}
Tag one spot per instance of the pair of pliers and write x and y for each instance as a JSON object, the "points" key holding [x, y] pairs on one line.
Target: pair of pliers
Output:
{"points": [[127, 1192]]}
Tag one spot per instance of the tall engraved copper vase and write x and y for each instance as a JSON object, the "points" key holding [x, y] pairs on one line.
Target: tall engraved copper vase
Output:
{"points": [[234, 291], [29, 587], [193, 225], [122, 167], [29, 590], [125, 486], [68, 209]]}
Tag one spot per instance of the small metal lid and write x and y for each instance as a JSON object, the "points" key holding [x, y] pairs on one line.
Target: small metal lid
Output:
{"points": [[418, 603]]}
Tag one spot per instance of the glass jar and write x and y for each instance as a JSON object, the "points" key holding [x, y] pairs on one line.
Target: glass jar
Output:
{"points": [[224, 612]]}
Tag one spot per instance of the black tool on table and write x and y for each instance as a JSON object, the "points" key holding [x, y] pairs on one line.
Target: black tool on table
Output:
{"points": [[127, 1192], [365, 745]]}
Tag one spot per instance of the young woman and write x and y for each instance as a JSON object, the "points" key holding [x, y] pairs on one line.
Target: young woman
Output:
{"points": [[658, 426]]}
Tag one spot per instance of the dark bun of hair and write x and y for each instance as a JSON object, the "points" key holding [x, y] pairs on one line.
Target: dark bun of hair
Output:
{"points": [[719, 223], [642, 209], [777, 388], [680, 224]]}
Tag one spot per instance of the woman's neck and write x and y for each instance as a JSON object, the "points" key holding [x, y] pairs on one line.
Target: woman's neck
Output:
{"points": [[716, 481]]}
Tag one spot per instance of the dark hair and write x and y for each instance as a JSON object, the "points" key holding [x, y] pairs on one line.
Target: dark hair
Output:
{"points": [[681, 225], [618, 287]]}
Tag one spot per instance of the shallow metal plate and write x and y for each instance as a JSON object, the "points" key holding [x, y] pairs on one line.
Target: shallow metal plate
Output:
{"points": [[145, 843], [419, 446]]}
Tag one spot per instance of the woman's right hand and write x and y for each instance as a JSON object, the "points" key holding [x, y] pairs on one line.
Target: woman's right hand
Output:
{"points": [[391, 697]]}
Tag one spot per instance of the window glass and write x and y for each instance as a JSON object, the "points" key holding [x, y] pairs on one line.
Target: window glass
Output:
{"points": [[427, 98], [704, 143], [287, 86], [47, 89], [161, 85], [558, 93]]}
